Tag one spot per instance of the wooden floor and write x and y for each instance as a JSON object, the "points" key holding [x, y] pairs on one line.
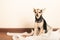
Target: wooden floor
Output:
{"points": [[4, 36]]}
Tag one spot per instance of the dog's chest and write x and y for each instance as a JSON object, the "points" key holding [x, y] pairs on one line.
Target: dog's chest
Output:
{"points": [[40, 25]]}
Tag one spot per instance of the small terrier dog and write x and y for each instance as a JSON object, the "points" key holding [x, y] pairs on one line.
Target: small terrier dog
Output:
{"points": [[40, 23]]}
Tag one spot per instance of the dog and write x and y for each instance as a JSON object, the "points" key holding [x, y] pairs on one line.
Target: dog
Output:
{"points": [[40, 23]]}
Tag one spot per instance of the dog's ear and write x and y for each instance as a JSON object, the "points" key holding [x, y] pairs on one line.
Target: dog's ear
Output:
{"points": [[33, 9], [43, 9]]}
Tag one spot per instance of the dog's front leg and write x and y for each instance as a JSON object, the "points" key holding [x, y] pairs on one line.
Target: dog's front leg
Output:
{"points": [[41, 31], [35, 29]]}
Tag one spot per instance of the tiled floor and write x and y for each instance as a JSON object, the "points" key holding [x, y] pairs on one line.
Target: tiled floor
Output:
{"points": [[3, 36]]}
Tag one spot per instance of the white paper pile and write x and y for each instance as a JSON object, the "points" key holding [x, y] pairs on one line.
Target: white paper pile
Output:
{"points": [[51, 35]]}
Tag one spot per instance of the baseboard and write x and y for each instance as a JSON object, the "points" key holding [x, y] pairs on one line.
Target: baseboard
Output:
{"points": [[19, 30]]}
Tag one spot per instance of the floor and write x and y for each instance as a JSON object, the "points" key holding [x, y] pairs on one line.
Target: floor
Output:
{"points": [[3, 36]]}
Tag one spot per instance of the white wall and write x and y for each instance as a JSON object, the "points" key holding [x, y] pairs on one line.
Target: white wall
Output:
{"points": [[19, 13]]}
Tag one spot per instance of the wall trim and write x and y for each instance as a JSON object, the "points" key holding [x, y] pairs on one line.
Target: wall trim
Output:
{"points": [[21, 30]]}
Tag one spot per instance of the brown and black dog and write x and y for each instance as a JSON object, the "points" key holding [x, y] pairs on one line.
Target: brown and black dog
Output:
{"points": [[40, 23]]}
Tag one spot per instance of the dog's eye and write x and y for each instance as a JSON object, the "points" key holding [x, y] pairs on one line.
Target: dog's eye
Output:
{"points": [[39, 12], [35, 12]]}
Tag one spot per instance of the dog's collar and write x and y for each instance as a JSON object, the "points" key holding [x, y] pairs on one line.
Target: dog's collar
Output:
{"points": [[38, 20]]}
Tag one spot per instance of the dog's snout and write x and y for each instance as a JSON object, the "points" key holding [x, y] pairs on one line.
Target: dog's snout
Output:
{"points": [[36, 14]]}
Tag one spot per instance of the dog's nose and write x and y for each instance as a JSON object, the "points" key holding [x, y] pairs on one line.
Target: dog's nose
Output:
{"points": [[36, 14]]}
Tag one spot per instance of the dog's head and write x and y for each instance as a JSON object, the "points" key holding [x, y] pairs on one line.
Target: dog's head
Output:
{"points": [[38, 12]]}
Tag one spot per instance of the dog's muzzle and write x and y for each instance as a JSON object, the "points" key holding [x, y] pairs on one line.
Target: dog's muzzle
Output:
{"points": [[37, 15]]}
